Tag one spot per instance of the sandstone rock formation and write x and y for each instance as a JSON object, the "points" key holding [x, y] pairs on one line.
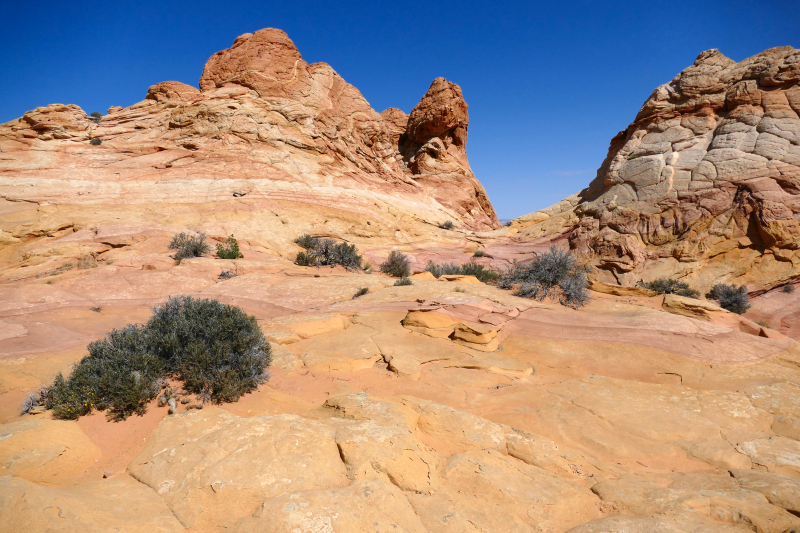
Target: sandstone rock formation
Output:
{"points": [[705, 183], [267, 141], [445, 405]]}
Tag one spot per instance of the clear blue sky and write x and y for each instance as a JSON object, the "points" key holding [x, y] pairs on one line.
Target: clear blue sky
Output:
{"points": [[548, 84]]}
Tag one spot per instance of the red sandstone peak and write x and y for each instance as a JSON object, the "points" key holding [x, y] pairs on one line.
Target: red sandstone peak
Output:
{"points": [[283, 122], [264, 57], [442, 112]]}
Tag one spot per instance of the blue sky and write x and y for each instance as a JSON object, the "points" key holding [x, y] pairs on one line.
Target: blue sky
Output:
{"points": [[548, 84]]}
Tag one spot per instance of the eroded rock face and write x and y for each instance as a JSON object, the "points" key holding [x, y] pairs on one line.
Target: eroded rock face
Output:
{"points": [[705, 178], [265, 127]]}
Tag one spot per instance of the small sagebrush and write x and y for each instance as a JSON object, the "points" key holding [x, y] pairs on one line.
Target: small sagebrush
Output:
{"points": [[479, 253], [448, 225], [188, 246], [471, 268], [306, 241], [554, 274], [402, 282], [788, 289], [229, 249], [216, 350], [327, 252], [96, 141], [360, 292], [226, 274], [671, 286], [304, 259], [730, 297], [397, 265]]}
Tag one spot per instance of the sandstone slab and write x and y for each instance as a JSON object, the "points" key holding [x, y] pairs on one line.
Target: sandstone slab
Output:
{"points": [[213, 468]]}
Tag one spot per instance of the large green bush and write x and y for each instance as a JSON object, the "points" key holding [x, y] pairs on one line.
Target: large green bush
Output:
{"points": [[217, 351], [555, 274], [671, 286]]}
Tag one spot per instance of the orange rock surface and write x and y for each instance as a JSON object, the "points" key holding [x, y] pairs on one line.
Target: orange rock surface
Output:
{"points": [[444, 405]]}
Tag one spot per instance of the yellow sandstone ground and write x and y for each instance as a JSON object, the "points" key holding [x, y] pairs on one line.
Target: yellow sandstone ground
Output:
{"points": [[440, 406]]}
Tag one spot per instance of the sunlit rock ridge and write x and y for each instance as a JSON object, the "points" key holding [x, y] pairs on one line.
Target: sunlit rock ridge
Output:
{"points": [[704, 183], [265, 131]]}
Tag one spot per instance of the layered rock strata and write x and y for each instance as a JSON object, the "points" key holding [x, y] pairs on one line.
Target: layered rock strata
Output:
{"points": [[267, 134], [704, 183]]}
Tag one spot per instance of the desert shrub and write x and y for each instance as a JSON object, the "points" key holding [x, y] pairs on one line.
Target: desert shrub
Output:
{"points": [[188, 246], [96, 309], [360, 292], [304, 259], [96, 141], [56, 271], [471, 268], [227, 274], [402, 282], [671, 286], [396, 265], [216, 350], [326, 252], [788, 289], [119, 374], [448, 224], [368, 268], [442, 269], [479, 253], [730, 297], [554, 274], [306, 241], [97, 116], [229, 249], [87, 261], [486, 275]]}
